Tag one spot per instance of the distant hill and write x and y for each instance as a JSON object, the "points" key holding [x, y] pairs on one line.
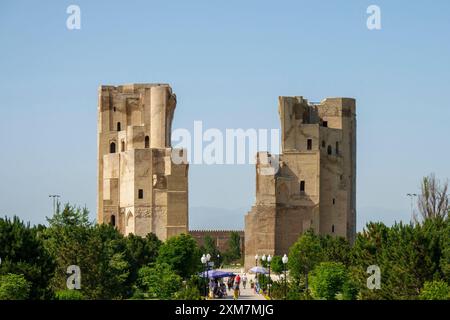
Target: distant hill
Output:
{"points": [[201, 218], [378, 214]]}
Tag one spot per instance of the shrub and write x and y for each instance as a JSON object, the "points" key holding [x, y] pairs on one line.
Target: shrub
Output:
{"points": [[327, 280], [158, 281], [14, 287], [69, 295], [435, 290]]}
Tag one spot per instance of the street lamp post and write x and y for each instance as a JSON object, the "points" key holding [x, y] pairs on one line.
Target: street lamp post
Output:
{"points": [[218, 260], [55, 200], [204, 261], [269, 259], [256, 273], [263, 259], [285, 261], [208, 259], [411, 196]]}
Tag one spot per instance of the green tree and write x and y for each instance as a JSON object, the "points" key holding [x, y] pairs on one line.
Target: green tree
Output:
{"points": [[189, 291], [433, 202], [435, 290], [276, 265], [211, 248], [234, 247], [304, 255], [99, 250], [407, 255], [350, 288], [336, 249], [444, 250], [14, 287], [158, 281], [22, 252], [182, 254], [327, 280], [140, 252]]}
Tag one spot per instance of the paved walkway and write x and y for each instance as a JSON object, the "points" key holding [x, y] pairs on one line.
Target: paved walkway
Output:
{"points": [[247, 293]]}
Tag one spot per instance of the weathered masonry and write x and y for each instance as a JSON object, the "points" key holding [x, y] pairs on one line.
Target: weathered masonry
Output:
{"points": [[315, 183], [140, 188]]}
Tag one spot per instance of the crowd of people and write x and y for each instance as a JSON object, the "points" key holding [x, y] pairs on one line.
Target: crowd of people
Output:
{"points": [[218, 289]]}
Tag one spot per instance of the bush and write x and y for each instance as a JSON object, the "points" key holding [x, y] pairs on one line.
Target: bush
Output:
{"points": [[14, 287], [349, 290], [408, 255], [304, 255], [99, 251], [327, 280], [294, 291], [182, 254], [435, 290], [22, 252], [276, 265], [69, 295], [188, 292], [158, 281]]}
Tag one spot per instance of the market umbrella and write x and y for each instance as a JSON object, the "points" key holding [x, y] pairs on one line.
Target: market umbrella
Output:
{"points": [[214, 274], [259, 270]]}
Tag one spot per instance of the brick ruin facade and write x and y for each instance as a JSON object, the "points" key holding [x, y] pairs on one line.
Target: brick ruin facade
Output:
{"points": [[140, 188], [315, 183]]}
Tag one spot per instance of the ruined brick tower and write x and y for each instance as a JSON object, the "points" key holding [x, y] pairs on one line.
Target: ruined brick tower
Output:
{"points": [[315, 183], [140, 188]]}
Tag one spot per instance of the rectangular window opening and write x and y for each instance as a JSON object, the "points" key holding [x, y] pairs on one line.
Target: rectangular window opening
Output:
{"points": [[302, 186]]}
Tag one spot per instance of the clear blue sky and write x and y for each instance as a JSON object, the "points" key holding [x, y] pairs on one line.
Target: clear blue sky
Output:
{"points": [[227, 61]]}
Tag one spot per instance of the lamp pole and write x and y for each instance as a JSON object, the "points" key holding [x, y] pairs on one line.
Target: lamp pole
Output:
{"points": [[256, 273], [203, 260], [208, 258], [411, 196], [285, 261], [263, 260], [55, 200], [269, 259]]}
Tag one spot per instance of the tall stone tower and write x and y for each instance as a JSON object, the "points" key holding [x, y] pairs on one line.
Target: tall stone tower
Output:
{"points": [[140, 188], [315, 183]]}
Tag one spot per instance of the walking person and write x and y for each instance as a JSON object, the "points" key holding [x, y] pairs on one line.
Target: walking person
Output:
{"points": [[230, 283], [244, 280], [211, 288], [256, 284], [236, 290], [237, 281]]}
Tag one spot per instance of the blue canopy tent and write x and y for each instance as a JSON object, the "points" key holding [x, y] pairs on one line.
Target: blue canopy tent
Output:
{"points": [[214, 274]]}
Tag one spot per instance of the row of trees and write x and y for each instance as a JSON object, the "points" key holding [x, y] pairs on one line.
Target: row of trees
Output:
{"points": [[34, 261], [413, 259], [231, 255]]}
